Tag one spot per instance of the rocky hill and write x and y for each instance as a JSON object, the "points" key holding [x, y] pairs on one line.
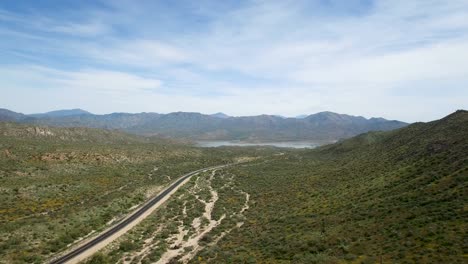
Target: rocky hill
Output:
{"points": [[17, 132]]}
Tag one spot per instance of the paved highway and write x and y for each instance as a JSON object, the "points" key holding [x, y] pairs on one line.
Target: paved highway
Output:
{"points": [[127, 221]]}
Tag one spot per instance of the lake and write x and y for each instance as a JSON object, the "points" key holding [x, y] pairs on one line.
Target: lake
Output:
{"points": [[280, 144]]}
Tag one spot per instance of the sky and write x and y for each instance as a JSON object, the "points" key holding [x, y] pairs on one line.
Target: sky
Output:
{"points": [[397, 59]]}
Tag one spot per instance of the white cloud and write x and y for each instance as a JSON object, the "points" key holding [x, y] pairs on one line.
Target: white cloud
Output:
{"points": [[108, 81], [425, 63], [366, 48], [89, 89], [85, 81], [80, 29], [263, 57], [141, 53], [42, 23]]}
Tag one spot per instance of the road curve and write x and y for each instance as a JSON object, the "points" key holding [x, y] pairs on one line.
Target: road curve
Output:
{"points": [[74, 255]]}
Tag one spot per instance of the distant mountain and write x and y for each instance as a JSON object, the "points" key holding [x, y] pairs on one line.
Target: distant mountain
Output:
{"points": [[301, 116], [220, 115], [280, 116], [61, 113], [326, 126], [10, 116], [7, 115]]}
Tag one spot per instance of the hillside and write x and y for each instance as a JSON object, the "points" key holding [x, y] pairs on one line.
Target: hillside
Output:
{"points": [[380, 197], [396, 196], [393, 197], [324, 126], [61, 184], [67, 135]]}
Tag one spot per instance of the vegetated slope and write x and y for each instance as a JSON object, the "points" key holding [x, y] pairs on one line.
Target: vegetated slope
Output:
{"points": [[57, 185], [326, 126], [396, 197], [73, 134]]}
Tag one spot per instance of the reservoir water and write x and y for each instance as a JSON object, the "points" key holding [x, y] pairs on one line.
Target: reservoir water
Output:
{"points": [[280, 144]]}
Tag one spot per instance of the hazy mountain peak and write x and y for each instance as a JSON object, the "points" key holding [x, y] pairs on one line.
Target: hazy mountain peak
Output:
{"points": [[326, 115], [336, 116], [220, 115], [377, 119], [62, 113]]}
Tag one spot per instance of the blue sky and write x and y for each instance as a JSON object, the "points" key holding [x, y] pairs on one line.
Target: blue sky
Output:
{"points": [[405, 60]]}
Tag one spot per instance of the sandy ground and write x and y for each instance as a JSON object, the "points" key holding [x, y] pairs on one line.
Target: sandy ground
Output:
{"points": [[238, 224], [186, 250], [149, 244], [105, 242], [178, 245]]}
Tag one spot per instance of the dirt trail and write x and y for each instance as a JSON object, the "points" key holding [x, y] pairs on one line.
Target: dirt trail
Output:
{"points": [[148, 245], [179, 246], [238, 224], [185, 250]]}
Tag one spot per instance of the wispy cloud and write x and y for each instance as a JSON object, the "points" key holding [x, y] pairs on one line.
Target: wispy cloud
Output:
{"points": [[141, 53], [81, 29], [214, 56], [86, 81]]}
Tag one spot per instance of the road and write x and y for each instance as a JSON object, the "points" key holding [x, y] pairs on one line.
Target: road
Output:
{"points": [[90, 247]]}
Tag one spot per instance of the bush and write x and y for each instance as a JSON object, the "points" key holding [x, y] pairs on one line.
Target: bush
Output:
{"points": [[127, 246]]}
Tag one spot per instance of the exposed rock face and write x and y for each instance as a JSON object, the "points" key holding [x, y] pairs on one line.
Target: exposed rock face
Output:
{"points": [[43, 132]]}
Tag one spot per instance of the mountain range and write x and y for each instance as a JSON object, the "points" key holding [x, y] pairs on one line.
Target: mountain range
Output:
{"points": [[323, 126]]}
